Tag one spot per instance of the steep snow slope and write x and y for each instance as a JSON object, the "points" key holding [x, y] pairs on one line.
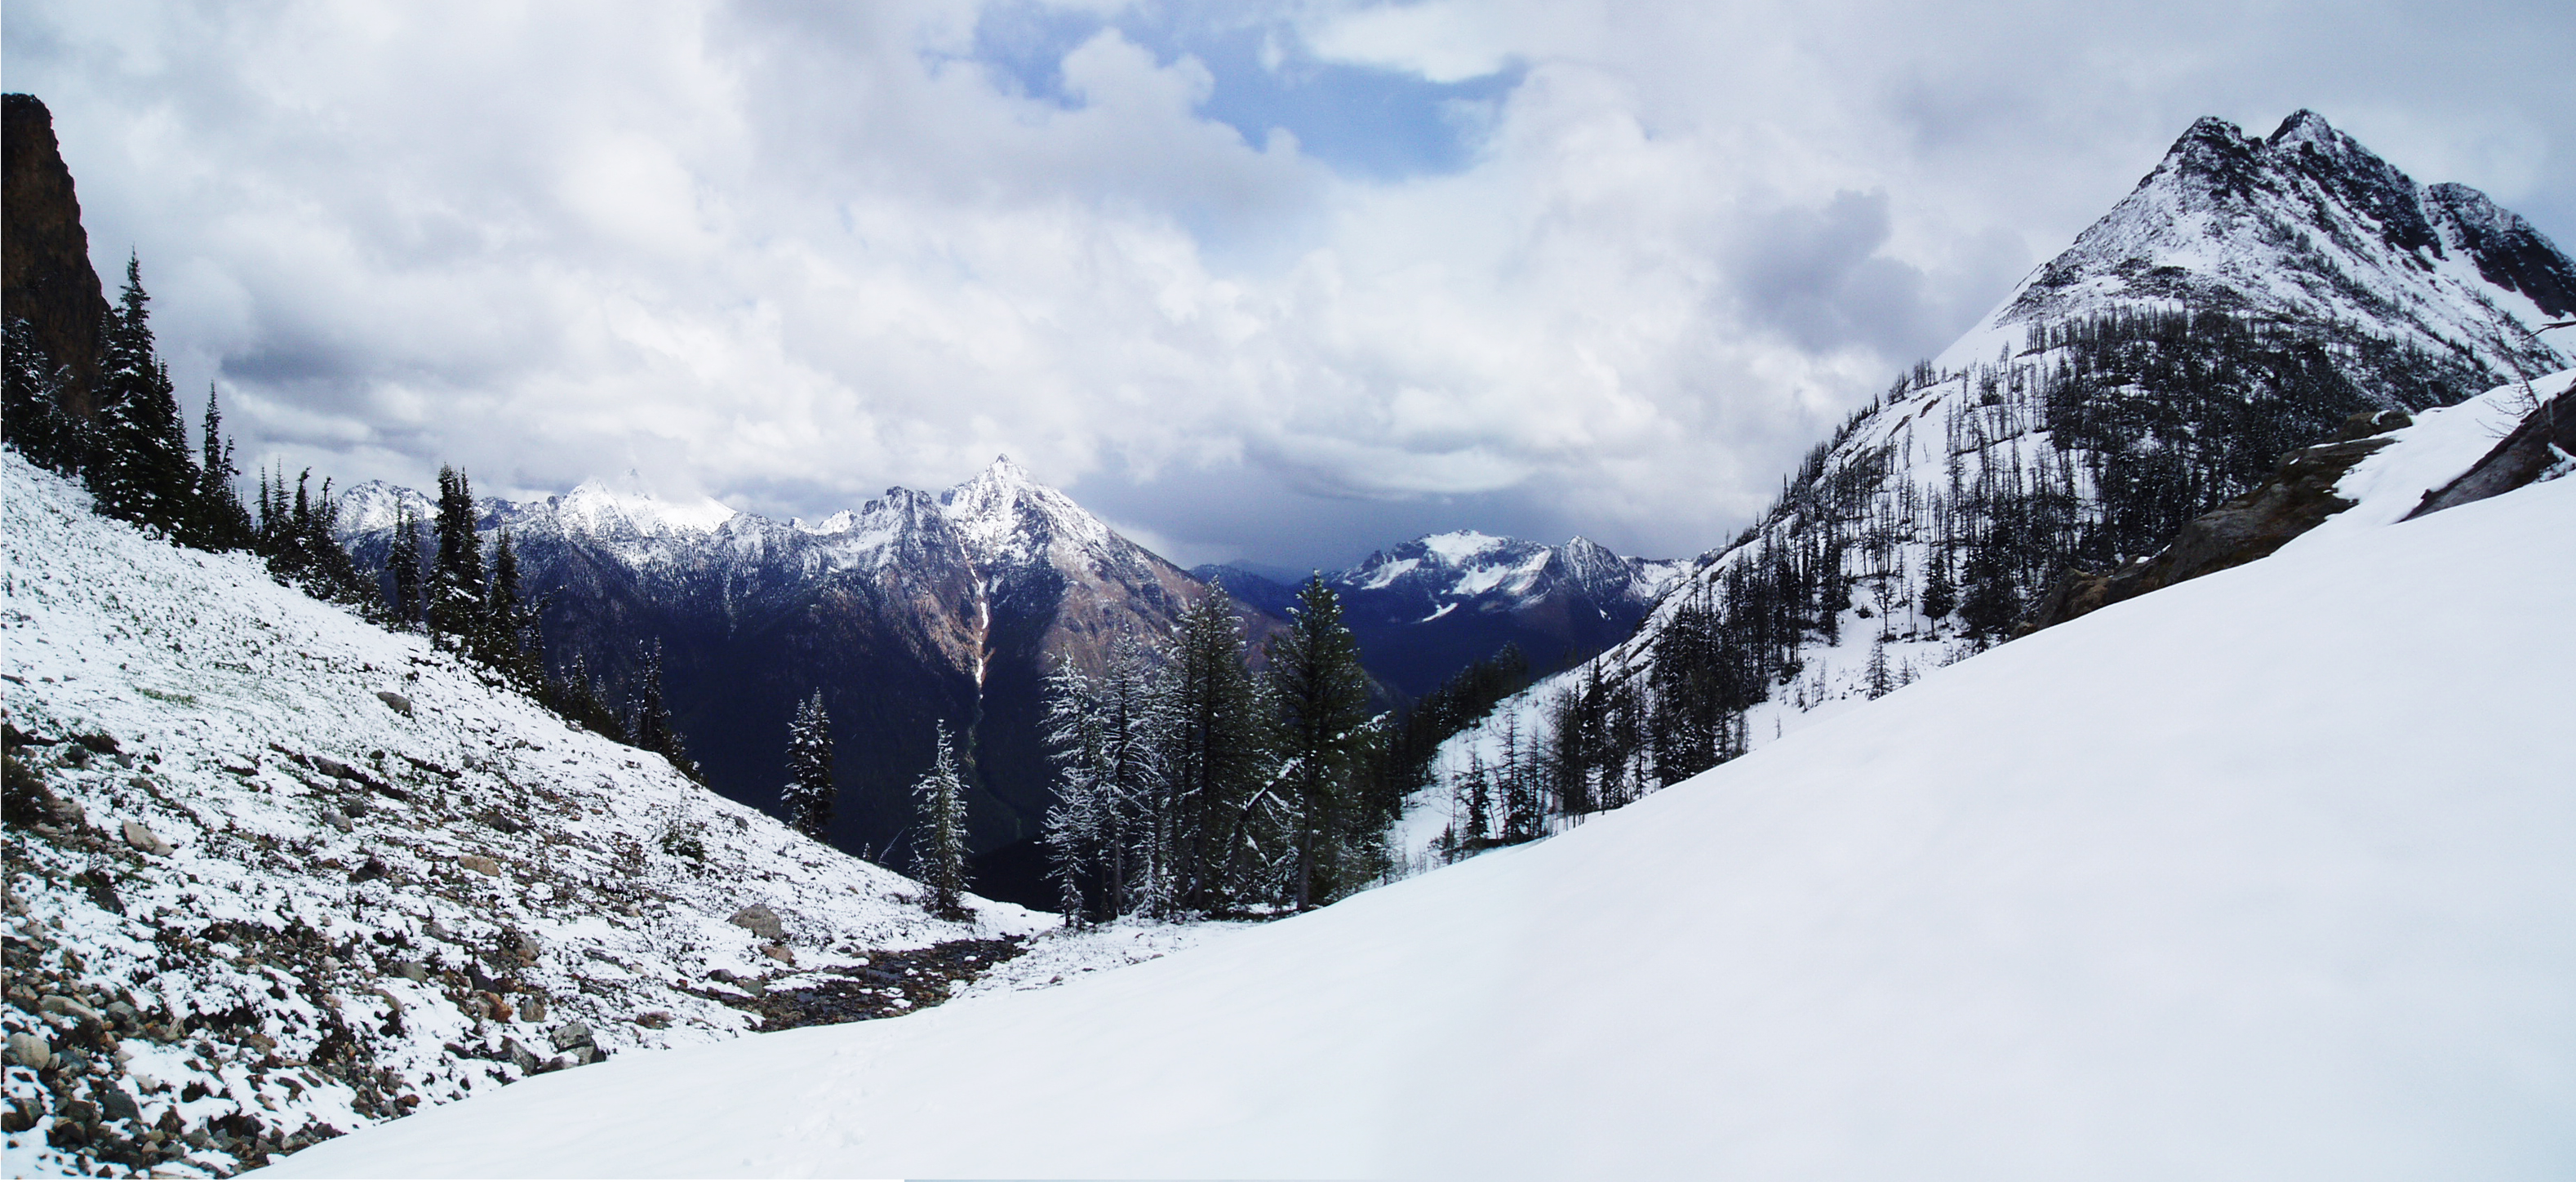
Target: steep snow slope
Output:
{"points": [[2271, 874], [381, 873], [2238, 304]]}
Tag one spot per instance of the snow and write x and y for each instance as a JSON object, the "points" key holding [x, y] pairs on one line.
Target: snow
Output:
{"points": [[1459, 547], [225, 692], [2263, 876], [2440, 445]]}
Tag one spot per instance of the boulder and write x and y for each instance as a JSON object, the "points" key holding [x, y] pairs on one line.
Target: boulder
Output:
{"points": [[572, 1034], [480, 865], [29, 1050], [400, 704], [338, 820], [761, 921], [779, 953], [141, 837], [2539, 446]]}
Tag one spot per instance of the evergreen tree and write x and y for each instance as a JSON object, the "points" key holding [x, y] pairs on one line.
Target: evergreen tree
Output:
{"points": [[31, 418], [650, 728], [141, 471], [810, 791], [1940, 595], [455, 601], [1323, 734], [939, 845], [1524, 818], [402, 564], [510, 640], [1225, 821], [1879, 680], [222, 521], [1475, 792]]}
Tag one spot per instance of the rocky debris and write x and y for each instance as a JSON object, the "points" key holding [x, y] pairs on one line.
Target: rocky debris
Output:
{"points": [[141, 837], [879, 985], [2544, 442], [400, 704], [2299, 496], [29, 1050], [761, 921]]}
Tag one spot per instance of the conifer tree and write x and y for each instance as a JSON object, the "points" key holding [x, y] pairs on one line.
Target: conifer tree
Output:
{"points": [[1523, 819], [1225, 823], [939, 844], [1475, 793], [222, 522], [31, 417], [455, 599], [1323, 735], [141, 470], [510, 640], [650, 728], [1940, 595], [810, 792], [402, 563]]}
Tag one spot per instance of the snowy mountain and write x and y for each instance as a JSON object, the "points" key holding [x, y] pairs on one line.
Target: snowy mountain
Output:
{"points": [[914, 609], [1427, 608], [2206, 882], [275, 874], [2248, 299]]}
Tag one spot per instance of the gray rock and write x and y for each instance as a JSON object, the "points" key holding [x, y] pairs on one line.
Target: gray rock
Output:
{"points": [[762, 921], [572, 1034], [525, 1058], [779, 953], [480, 865], [337, 820], [55, 1003], [411, 970], [115, 1104], [29, 1050], [141, 837], [401, 705]]}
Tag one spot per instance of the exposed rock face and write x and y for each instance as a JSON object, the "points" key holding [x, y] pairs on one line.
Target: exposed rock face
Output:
{"points": [[2543, 442], [44, 252], [2297, 498]]}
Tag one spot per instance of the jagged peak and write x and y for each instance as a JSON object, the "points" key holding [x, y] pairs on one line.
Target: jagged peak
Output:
{"points": [[2307, 127]]}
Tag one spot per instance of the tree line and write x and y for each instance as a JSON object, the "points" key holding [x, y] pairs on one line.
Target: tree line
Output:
{"points": [[2091, 447], [1188, 784]]}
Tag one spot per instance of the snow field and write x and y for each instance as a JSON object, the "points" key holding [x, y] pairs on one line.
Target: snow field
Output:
{"points": [[2270, 875], [361, 908]]}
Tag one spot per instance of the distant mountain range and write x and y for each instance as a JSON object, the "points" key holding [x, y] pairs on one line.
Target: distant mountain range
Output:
{"points": [[920, 608], [1426, 608]]}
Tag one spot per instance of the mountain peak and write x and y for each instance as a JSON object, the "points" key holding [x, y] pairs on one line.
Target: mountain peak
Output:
{"points": [[2307, 127]]}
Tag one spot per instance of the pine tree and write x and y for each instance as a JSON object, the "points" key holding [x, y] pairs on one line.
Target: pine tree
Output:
{"points": [[810, 792], [141, 471], [1475, 793], [1940, 595], [1323, 735], [455, 600], [1523, 818], [1224, 822], [650, 728], [31, 417], [1880, 681], [402, 563], [510, 640], [222, 522], [939, 845]]}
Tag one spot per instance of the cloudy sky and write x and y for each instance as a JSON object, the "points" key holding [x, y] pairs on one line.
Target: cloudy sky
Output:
{"points": [[1278, 282]]}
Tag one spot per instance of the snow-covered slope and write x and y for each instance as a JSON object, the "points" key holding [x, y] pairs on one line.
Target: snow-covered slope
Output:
{"points": [[2271, 874], [274, 872], [2239, 304]]}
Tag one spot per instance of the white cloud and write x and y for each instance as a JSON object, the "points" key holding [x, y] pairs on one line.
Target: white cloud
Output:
{"points": [[789, 255]]}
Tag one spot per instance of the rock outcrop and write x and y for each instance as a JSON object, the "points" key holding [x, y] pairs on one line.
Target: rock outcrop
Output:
{"points": [[45, 275]]}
